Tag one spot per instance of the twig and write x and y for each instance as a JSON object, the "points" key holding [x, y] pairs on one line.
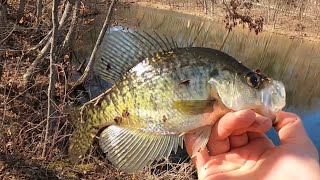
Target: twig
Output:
{"points": [[33, 67], [41, 43], [98, 42], [225, 39], [1, 68], [70, 35], [51, 87], [39, 12], [81, 65], [14, 27]]}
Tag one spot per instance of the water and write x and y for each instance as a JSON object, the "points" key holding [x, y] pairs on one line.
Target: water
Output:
{"points": [[293, 61]]}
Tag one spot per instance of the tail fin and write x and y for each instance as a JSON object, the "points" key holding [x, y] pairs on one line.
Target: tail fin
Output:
{"points": [[87, 126]]}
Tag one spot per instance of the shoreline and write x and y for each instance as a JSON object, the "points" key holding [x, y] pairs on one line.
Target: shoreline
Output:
{"points": [[307, 35]]}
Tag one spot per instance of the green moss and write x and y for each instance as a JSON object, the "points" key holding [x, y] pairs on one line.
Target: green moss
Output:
{"points": [[85, 167], [58, 165]]}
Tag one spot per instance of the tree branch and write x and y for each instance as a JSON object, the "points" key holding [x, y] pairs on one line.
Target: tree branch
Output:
{"points": [[89, 66], [70, 35], [33, 67], [52, 74], [39, 12]]}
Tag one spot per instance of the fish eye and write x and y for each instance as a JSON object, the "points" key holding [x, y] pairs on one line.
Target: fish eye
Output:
{"points": [[253, 80]]}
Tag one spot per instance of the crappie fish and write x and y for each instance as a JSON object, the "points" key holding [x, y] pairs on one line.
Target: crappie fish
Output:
{"points": [[161, 92]]}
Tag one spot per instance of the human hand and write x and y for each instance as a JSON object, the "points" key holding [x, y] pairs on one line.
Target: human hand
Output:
{"points": [[239, 149]]}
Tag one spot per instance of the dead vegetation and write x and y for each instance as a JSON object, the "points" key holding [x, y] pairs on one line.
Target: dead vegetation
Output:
{"points": [[278, 16], [38, 83], [34, 130]]}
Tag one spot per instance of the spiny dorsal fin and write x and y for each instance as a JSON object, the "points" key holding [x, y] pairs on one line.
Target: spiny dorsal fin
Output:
{"points": [[122, 50], [132, 150]]}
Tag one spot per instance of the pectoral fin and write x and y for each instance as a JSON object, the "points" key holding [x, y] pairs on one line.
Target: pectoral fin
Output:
{"points": [[131, 150], [193, 107], [203, 135]]}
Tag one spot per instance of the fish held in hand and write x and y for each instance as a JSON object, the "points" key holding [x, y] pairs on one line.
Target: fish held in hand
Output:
{"points": [[161, 92]]}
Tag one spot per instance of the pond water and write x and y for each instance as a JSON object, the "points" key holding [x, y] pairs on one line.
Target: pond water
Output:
{"points": [[293, 61]]}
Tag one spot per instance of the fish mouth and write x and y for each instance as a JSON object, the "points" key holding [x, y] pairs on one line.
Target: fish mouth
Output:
{"points": [[273, 99], [266, 102]]}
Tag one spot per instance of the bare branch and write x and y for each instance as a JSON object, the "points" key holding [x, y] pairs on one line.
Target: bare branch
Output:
{"points": [[1, 66], [70, 35], [3, 25], [88, 69], [52, 74], [39, 12], [225, 39], [33, 67], [3, 15], [9, 34]]}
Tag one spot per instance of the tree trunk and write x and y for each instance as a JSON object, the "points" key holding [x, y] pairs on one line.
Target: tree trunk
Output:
{"points": [[205, 6], [268, 17], [212, 4], [3, 24], [21, 8], [301, 9], [276, 11], [39, 12], [3, 15]]}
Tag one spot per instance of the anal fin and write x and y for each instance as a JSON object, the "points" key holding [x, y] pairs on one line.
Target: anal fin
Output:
{"points": [[131, 150]]}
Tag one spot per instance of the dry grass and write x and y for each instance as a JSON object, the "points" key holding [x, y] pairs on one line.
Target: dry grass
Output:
{"points": [[23, 115], [22, 129]]}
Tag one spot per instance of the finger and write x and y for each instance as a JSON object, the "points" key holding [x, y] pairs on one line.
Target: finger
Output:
{"points": [[200, 158], [290, 128], [238, 140], [232, 121], [216, 146], [254, 135], [260, 125], [240, 122], [219, 141], [292, 132]]}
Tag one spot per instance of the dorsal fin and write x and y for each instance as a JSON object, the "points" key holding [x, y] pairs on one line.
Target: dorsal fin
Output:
{"points": [[122, 50]]}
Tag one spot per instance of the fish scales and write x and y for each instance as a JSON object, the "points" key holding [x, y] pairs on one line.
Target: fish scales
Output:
{"points": [[142, 90], [158, 98], [164, 86]]}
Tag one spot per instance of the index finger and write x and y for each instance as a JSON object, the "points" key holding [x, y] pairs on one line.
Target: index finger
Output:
{"points": [[240, 122]]}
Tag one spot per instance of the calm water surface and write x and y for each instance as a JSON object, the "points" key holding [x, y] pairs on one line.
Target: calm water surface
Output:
{"points": [[293, 61]]}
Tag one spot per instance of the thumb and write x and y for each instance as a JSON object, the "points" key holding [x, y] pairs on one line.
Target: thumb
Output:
{"points": [[291, 132]]}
